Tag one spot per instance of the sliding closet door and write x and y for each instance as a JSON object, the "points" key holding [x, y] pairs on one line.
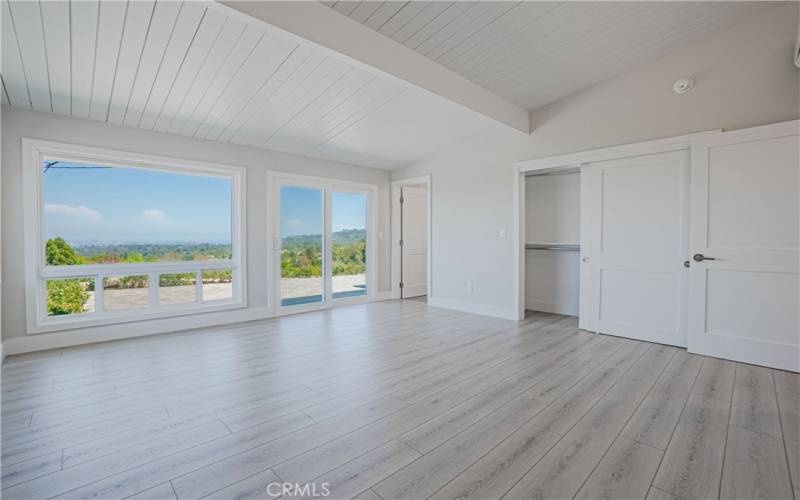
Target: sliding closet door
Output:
{"points": [[633, 245], [744, 283]]}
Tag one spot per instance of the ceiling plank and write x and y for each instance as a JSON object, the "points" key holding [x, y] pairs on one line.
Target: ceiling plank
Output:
{"points": [[83, 41], [162, 27], [109, 37], [282, 77], [13, 73], [137, 24], [232, 65], [320, 25], [200, 50], [186, 103], [55, 19], [28, 25], [4, 95], [258, 71], [183, 36]]}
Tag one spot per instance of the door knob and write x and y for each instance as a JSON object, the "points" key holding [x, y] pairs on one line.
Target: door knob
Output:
{"points": [[698, 257]]}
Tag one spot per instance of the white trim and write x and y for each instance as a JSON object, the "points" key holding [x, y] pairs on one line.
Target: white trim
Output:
{"points": [[34, 151], [394, 255], [675, 143], [578, 159], [328, 185], [2, 352], [518, 243], [473, 308]]}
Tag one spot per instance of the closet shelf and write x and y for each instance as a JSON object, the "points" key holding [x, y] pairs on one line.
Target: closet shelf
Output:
{"points": [[552, 246]]}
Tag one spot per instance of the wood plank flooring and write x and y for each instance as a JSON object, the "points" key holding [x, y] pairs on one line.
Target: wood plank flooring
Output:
{"points": [[395, 400]]}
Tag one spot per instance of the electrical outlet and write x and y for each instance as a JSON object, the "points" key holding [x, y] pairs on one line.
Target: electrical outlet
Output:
{"points": [[501, 233], [469, 287]]}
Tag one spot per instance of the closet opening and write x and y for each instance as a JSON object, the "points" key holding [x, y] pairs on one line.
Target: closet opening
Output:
{"points": [[552, 240]]}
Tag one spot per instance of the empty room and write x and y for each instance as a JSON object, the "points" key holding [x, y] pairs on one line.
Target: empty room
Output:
{"points": [[409, 250]]}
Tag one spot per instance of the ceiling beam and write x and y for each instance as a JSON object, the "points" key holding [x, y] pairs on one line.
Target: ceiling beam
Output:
{"points": [[323, 26]]}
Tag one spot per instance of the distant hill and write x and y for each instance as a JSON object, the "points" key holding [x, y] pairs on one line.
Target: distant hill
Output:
{"points": [[343, 237], [151, 252]]}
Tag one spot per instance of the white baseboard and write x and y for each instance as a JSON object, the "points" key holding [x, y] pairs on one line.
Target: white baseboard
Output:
{"points": [[380, 296], [552, 307], [468, 307]]}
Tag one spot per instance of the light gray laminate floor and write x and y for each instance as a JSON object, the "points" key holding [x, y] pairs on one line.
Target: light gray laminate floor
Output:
{"points": [[396, 400]]}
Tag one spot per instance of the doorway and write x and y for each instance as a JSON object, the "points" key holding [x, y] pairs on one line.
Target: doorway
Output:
{"points": [[411, 239]]}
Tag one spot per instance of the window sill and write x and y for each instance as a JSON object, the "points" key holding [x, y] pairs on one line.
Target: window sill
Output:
{"points": [[65, 323]]}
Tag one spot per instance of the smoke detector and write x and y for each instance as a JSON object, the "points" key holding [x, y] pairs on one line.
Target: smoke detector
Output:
{"points": [[683, 85]]}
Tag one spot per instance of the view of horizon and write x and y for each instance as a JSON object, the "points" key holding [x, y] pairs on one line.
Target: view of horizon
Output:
{"points": [[82, 205]]}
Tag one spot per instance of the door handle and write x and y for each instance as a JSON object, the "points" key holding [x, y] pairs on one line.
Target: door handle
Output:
{"points": [[698, 257]]}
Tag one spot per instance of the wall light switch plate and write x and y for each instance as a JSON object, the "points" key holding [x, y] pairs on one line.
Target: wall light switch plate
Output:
{"points": [[501, 233]]}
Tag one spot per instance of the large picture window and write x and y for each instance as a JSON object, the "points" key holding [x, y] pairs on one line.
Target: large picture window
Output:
{"points": [[118, 235]]}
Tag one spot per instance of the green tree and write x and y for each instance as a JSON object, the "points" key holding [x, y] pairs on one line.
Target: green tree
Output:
{"points": [[64, 296], [58, 253]]}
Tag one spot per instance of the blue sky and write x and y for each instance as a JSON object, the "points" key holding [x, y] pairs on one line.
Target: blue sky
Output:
{"points": [[301, 211], [126, 205]]}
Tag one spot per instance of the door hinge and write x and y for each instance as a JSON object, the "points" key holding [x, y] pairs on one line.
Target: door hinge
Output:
{"points": [[401, 284], [402, 199], [401, 242]]}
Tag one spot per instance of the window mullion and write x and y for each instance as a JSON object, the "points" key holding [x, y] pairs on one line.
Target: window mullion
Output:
{"points": [[198, 283], [99, 290], [152, 288]]}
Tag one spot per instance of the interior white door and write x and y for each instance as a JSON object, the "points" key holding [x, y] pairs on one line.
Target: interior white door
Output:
{"points": [[743, 304], [414, 251], [633, 244]]}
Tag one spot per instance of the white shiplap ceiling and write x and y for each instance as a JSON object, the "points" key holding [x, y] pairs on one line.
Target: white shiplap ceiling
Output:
{"points": [[533, 53], [190, 68]]}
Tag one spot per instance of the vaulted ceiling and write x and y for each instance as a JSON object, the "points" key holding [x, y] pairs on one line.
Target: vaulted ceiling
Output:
{"points": [[533, 53], [379, 84], [195, 69]]}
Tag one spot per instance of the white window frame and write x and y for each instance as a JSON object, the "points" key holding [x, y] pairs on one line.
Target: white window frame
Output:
{"points": [[328, 185], [36, 272]]}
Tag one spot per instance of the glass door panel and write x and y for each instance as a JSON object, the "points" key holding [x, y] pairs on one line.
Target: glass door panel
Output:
{"points": [[302, 226], [349, 242]]}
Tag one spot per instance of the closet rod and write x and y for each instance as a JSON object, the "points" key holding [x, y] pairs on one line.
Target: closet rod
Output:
{"points": [[552, 246], [535, 173]]}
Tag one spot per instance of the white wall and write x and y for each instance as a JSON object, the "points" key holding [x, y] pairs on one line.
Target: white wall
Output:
{"points": [[17, 124], [744, 77], [552, 215]]}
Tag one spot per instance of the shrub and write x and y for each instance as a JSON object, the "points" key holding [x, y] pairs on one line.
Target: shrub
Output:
{"points": [[66, 296]]}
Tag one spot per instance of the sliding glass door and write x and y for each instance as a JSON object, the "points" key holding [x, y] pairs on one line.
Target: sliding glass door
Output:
{"points": [[302, 227], [349, 242], [322, 234]]}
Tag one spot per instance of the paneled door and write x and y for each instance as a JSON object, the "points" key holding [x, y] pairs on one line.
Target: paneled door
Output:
{"points": [[633, 245], [414, 235], [744, 287]]}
